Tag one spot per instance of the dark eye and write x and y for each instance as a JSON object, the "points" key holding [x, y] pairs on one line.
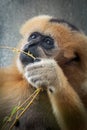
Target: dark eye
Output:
{"points": [[33, 36], [48, 43]]}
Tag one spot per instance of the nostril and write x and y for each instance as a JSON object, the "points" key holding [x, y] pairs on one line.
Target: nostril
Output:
{"points": [[33, 44]]}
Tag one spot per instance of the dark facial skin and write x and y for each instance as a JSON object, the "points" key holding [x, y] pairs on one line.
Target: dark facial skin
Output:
{"points": [[37, 41], [42, 46]]}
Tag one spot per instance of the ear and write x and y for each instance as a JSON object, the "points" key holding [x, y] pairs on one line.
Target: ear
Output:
{"points": [[72, 56], [69, 53]]}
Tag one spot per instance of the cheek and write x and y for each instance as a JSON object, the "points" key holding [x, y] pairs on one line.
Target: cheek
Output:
{"points": [[41, 52]]}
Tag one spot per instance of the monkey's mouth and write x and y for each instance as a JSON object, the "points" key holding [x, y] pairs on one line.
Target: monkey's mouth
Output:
{"points": [[25, 59]]}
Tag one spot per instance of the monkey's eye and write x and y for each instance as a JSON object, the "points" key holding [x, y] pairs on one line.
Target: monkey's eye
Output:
{"points": [[33, 36], [48, 43]]}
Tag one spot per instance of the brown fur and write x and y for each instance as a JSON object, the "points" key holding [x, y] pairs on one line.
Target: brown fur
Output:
{"points": [[69, 102]]}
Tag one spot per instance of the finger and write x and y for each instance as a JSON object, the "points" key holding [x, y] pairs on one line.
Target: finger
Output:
{"points": [[34, 66]]}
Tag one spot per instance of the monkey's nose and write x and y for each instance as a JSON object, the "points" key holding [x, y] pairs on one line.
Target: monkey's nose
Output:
{"points": [[26, 47]]}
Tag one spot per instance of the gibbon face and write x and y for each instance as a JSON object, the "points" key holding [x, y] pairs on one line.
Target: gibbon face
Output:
{"points": [[47, 37]]}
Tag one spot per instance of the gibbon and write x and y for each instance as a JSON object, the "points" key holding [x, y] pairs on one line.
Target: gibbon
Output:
{"points": [[60, 69]]}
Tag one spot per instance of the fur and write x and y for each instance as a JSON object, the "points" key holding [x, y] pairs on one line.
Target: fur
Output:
{"points": [[66, 86]]}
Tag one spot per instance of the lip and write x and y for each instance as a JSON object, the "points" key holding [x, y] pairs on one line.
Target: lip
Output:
{"points": [[25, 59]]}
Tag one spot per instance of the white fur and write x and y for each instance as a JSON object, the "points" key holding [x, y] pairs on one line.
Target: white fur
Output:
{"points": [[41, 73], [19, 65]]}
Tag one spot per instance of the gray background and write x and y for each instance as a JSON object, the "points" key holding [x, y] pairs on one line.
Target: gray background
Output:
{"points": [[13, 13]]}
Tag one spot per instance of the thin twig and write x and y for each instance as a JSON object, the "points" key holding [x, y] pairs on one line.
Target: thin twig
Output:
{"points": [[34, 97], [19, 108], [27, 99], [17, 50]]}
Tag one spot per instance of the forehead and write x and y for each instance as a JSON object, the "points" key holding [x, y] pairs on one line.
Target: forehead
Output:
{"points": [[60, 30]]}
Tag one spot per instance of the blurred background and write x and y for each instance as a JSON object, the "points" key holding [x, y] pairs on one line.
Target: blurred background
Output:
{"points": [[13, 13]]}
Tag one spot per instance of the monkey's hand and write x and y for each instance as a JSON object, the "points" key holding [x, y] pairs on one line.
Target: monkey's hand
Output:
{"points": [[42, 73], [66, 104]]}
